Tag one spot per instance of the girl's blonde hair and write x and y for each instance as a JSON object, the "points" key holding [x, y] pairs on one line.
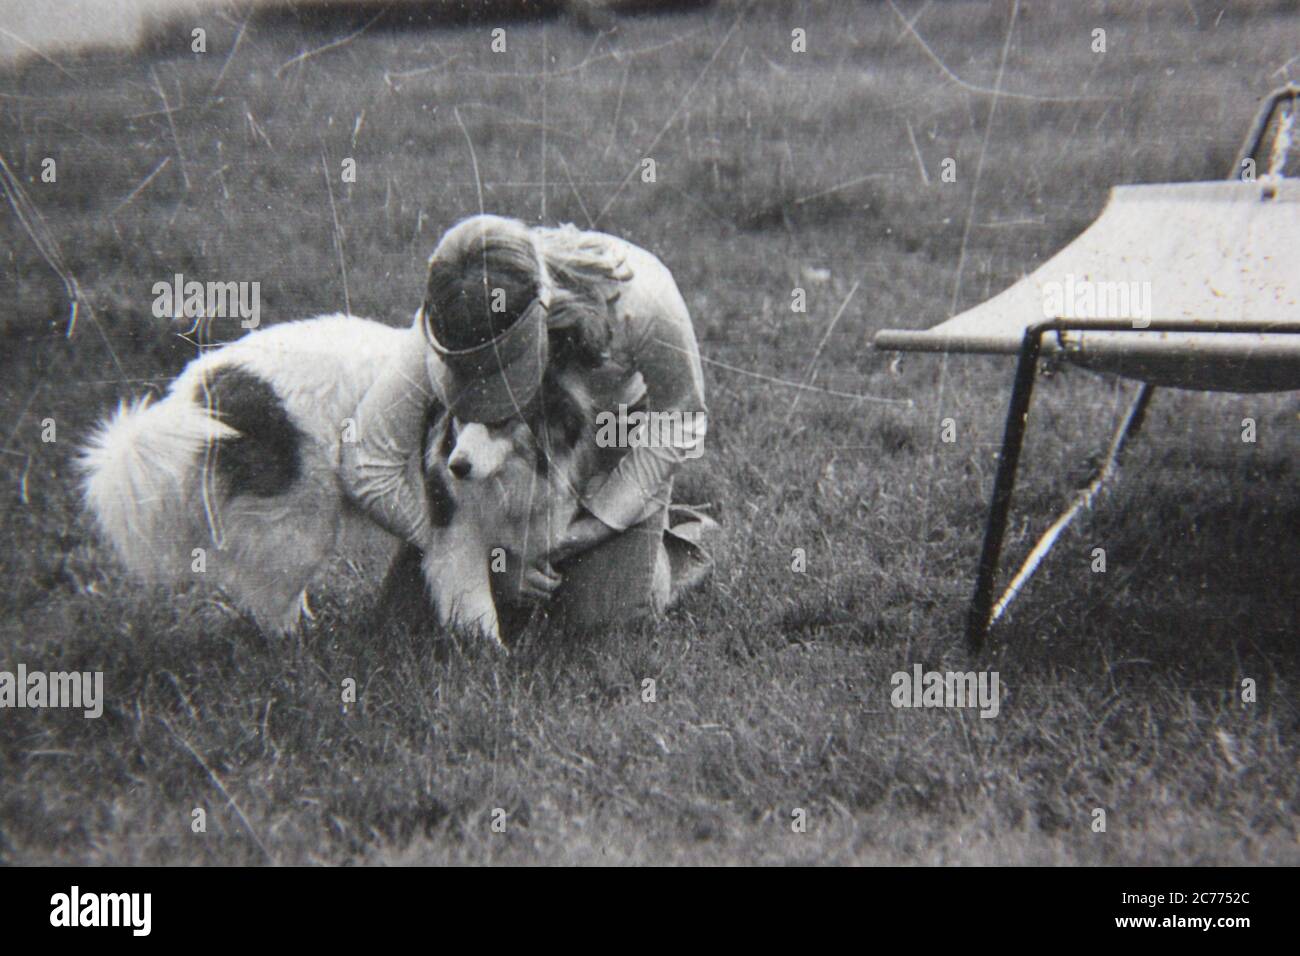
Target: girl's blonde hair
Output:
{"points": [[488, 270]]}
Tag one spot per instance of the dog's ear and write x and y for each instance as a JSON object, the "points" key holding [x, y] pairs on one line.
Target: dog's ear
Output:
{"points": [[539, 436], [447, 436], [439, 435], [565, 410], [573, 420], [579, 336]]}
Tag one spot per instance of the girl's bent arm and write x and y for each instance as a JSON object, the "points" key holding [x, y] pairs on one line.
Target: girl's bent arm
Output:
{"points": [[663, 349], [381, 469]]}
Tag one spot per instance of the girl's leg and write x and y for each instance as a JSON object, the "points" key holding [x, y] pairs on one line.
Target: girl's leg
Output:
{"points": [[623, 579]]}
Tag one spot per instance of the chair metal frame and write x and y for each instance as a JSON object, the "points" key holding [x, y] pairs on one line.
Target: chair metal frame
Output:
{"points": [[983, 613]]}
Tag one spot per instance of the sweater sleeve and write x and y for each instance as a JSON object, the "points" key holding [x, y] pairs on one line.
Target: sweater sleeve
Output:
{"points": [[663, 349], [381, 469]]}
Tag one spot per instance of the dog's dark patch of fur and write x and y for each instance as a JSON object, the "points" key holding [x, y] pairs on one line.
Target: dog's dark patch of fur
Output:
{"points": [[442, 507], [561, 416], [403, 599], [263, 459]]}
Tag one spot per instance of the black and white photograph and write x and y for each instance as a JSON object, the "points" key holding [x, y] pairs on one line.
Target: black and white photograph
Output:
{"points": [[643, 433]]}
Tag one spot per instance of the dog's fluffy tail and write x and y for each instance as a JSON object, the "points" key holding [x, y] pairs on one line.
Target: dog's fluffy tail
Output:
{"points": [[142, 480]]}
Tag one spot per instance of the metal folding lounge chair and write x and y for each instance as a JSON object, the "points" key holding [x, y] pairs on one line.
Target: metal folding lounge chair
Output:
{"points": [[1221, 261]]}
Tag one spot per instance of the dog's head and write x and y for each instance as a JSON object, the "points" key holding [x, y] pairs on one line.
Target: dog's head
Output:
{"points": [[477, 452], [559, 422]]}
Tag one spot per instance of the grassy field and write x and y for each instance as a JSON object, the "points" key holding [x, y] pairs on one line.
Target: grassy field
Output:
{"points": [[775, 170]]}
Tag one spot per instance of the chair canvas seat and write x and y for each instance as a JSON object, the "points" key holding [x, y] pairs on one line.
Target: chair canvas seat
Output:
{"points": [[1218, 252]]}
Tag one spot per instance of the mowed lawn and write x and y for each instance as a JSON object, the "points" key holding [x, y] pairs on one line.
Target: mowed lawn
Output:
{"points": [[774, 170]]}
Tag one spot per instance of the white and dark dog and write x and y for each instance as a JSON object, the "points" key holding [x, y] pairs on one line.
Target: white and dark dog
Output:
{"points": [[235, 472], [500, 495]]}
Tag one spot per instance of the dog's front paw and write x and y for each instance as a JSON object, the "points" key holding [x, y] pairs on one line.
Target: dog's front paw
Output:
{"points": [[475, 617], [462, 592]]}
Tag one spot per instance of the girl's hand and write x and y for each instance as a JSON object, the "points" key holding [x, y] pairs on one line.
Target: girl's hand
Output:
{"points": [[520, 583], [539, 582]]}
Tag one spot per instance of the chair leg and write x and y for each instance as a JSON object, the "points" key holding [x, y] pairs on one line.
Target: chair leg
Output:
{"points": [[1013, 438], [1043, 546]]}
